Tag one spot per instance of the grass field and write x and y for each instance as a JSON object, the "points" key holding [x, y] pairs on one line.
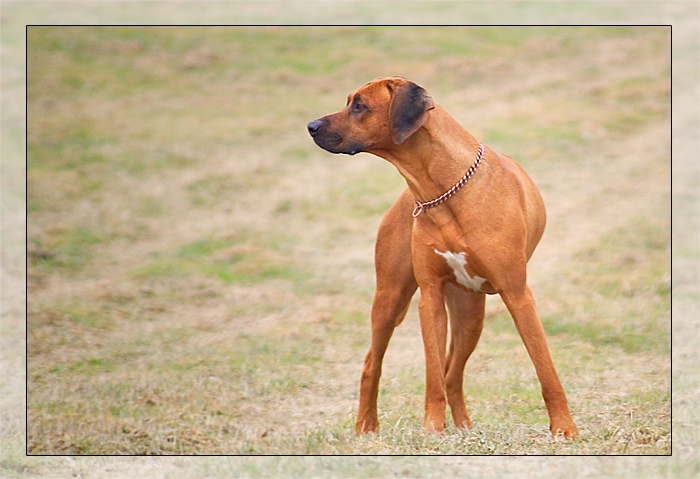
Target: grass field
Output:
{"points": [[200, 273]]}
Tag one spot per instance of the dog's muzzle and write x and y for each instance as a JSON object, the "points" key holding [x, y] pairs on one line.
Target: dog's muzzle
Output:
{"points": [[330, 140]]}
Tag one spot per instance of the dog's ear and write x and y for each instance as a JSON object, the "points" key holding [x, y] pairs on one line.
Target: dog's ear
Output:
{"points": [[409, 103]]}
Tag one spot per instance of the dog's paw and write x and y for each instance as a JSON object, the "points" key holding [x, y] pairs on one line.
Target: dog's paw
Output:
{"points": [[430, 426], [365, 426], [564, 429]]}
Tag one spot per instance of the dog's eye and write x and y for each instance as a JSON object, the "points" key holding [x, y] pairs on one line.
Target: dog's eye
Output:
{"points": [[358, 107]]}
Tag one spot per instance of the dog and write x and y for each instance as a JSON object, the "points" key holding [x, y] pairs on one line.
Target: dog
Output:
{"points": [[465, 227]]}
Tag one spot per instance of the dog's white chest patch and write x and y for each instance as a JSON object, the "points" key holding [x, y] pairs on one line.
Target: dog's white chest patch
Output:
{"points": [[457, 262]]}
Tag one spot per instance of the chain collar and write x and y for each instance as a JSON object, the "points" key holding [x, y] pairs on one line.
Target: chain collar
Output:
{"points": [[420, 207]]}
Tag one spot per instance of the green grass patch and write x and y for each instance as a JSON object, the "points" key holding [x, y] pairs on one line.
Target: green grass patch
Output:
{"points": [[514, 132], [227, 188], [364, 194], [637, 102], [232, 259], [64, 248], [628, 337], [626, 277]]}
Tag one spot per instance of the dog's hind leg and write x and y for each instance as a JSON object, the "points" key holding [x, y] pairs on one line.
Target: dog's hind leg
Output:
{"points": [[466, 312], [521, 305]]}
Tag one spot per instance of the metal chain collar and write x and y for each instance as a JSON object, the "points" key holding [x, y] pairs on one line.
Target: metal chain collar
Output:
{"points": [[420, 207]]}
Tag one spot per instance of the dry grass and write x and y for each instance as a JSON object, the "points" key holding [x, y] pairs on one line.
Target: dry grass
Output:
{"points": [[200, 274], [206, 310]]}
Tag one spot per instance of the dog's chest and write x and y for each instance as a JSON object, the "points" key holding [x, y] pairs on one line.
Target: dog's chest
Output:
{"points": [[458, 263]]}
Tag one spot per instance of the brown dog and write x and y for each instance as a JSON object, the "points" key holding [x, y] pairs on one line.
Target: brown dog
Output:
{"points": [[470, 235]]}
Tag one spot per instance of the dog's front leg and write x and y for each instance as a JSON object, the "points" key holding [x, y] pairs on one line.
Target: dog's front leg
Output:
{"points": [[433, 322], [391, 302], [396, 285]]}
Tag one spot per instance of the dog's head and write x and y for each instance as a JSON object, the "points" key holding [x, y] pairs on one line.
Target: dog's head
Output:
{"points": [[379, 115]]}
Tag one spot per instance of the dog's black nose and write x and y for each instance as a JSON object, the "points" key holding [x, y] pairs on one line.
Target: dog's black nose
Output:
{"points": [[314, 126]]}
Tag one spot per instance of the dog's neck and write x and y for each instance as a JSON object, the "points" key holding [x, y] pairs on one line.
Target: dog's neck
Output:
{"points": [[432, 163]]}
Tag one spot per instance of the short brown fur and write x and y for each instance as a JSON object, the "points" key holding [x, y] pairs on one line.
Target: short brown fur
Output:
{"points": [[494, 223]]}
